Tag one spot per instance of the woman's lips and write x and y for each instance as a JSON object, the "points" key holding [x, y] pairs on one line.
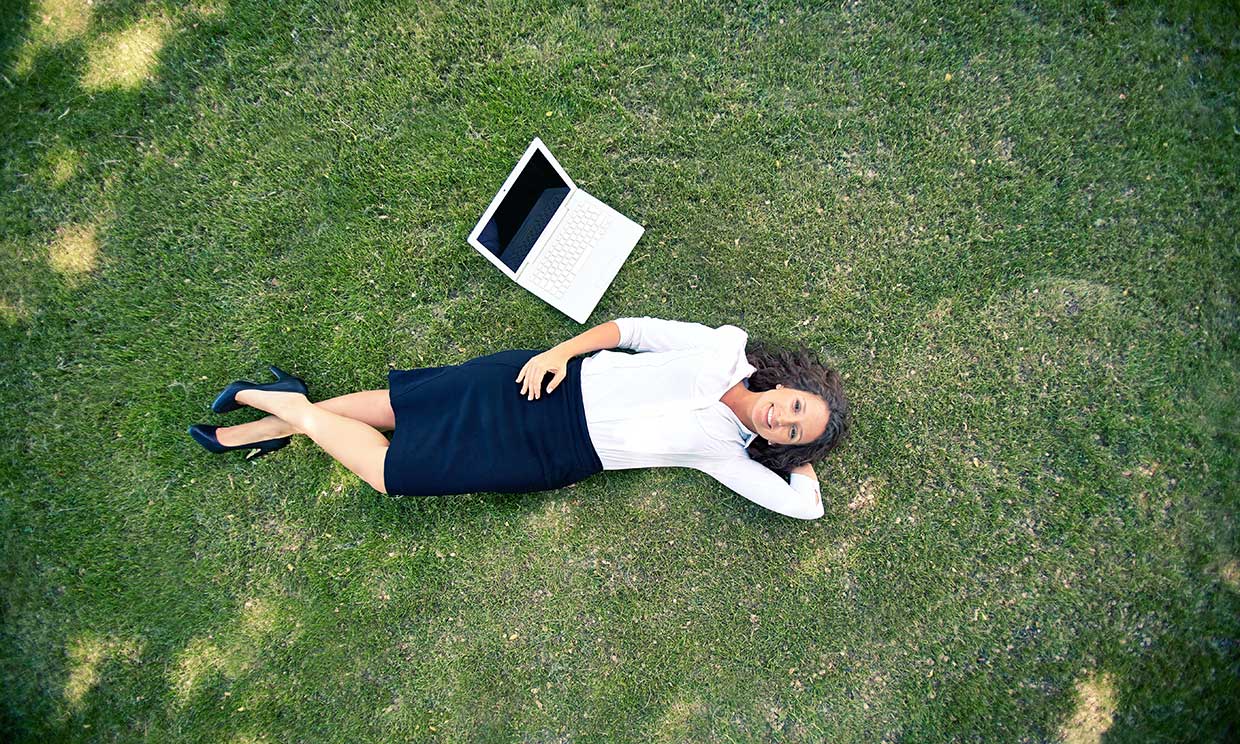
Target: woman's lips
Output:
{"points": [[769, 411]]}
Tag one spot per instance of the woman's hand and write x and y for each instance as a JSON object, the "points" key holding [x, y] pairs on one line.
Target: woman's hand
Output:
{"points": [[552, 360], [555, 360]]}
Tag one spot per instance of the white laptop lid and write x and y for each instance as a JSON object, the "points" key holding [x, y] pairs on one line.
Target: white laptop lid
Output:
{"points": [[542, 158]]}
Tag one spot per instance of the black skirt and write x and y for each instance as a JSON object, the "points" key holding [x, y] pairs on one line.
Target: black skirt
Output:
{"points": [[467, 428]]}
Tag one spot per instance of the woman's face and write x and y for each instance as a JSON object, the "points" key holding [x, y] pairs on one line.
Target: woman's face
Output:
{"points": [[789, 416]]}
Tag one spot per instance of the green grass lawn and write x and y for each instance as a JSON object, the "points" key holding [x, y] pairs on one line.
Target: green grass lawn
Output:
{"points": [[1012, 226]]}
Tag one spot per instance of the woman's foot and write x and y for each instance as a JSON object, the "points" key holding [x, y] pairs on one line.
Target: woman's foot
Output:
{"points": [[227, 400], [291, 407], [265, 400], [204, 435]]}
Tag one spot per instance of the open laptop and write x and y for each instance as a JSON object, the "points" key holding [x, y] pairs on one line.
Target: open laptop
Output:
{"points": [[553, 238]]}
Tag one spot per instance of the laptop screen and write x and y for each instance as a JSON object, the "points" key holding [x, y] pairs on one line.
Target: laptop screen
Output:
{"points": [[525, 210]]}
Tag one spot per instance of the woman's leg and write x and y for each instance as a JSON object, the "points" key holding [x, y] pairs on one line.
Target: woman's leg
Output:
{"points": [[358, 446], [372, 407]]}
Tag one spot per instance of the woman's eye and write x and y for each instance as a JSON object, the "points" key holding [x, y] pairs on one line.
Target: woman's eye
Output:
{"points": [[793, 435], [797, 406]]}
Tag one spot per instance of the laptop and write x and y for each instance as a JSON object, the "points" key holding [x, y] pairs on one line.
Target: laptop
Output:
{"points": [[553, 238]]}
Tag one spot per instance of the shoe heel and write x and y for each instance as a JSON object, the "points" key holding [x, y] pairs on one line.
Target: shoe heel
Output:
{"points": [[204, 434], [286, 382]]}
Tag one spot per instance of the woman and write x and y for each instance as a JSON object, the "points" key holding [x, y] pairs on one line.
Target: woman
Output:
{"points": [[691, 397]]}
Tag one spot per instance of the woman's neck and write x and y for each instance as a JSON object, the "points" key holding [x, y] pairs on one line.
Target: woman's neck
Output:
{"points": [[740, 399]]}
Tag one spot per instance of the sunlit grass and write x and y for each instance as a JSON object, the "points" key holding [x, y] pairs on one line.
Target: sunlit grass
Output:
{"points": [[74, 251], [1094, 713], [63, 165], [56, 22], [86, 655], [128, 58], [61, 20], [199, 661], [10, 314], [1229, 572]]}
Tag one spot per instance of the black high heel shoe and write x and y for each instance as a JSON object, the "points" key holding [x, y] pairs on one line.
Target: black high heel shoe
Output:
{"points": [[285, 383], [204, 434]]}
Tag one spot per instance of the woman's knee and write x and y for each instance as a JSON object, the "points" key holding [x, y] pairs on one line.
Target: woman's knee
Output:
{"points": [[374, 472], [373, 407]]}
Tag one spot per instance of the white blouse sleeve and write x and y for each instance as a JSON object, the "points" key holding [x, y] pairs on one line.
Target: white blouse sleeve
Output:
{"points": [[655, 334], [801, 498]]}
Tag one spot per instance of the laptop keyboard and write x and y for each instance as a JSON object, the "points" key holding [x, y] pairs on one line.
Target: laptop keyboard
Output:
{"points": [[558, 263], [526, 235]]}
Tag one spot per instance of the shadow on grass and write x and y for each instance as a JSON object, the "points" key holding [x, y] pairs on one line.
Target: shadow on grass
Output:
{"points": [[65, 174], [14, 29], [73, 93]]}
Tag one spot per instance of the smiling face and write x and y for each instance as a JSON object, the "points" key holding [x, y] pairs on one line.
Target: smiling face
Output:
{"points": [[789, 416]]}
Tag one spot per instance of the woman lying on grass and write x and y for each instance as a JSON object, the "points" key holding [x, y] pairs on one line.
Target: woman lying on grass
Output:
{"points": [[693, 397]]}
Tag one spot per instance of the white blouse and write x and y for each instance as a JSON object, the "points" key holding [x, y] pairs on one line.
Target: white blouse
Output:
{"points": [[661, 408]]}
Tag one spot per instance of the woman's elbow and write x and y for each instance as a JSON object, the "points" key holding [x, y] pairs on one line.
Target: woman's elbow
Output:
{"points": [[814, 514], [811, 507], [809, 511]]}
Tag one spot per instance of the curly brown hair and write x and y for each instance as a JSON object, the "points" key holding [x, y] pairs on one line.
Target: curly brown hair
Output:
{"points": [[802, 370]]}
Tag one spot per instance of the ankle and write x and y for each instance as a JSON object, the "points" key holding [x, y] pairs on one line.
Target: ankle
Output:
{"points": [[271, 427], [278, 427], [271, 401]]}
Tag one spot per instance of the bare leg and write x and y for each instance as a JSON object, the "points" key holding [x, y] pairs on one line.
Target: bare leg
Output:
{"points": [[358, 446], [372, 407]]}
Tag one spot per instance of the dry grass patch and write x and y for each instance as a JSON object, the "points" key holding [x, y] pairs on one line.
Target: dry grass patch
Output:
{"points": [[867, 495], [1003, 150], [828, 559], [676, 724], [652, 502], [74, 251], [554, 519], [210, 9], [817, 562], [1095, 711]]}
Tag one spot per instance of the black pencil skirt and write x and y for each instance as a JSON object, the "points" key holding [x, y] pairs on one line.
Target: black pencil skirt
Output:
{"points": [[467, 428]]}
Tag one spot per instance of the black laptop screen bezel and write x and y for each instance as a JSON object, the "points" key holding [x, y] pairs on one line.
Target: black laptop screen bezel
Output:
{"points": [[537, 176]]}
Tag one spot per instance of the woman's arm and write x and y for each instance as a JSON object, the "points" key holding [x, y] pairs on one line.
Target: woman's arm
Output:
{"points": [[656, 334], [602, 336], [555, 360], [799, 497]]}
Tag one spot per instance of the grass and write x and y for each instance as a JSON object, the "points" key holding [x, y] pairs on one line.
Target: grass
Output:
{"points": [[1012, 226]]}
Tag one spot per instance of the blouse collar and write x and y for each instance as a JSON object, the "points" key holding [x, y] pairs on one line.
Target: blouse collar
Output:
{"points": [[739, 371], [743, 431]]}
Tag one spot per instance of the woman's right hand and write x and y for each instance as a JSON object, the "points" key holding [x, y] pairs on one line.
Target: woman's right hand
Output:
{"points": [[552, 360]]}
